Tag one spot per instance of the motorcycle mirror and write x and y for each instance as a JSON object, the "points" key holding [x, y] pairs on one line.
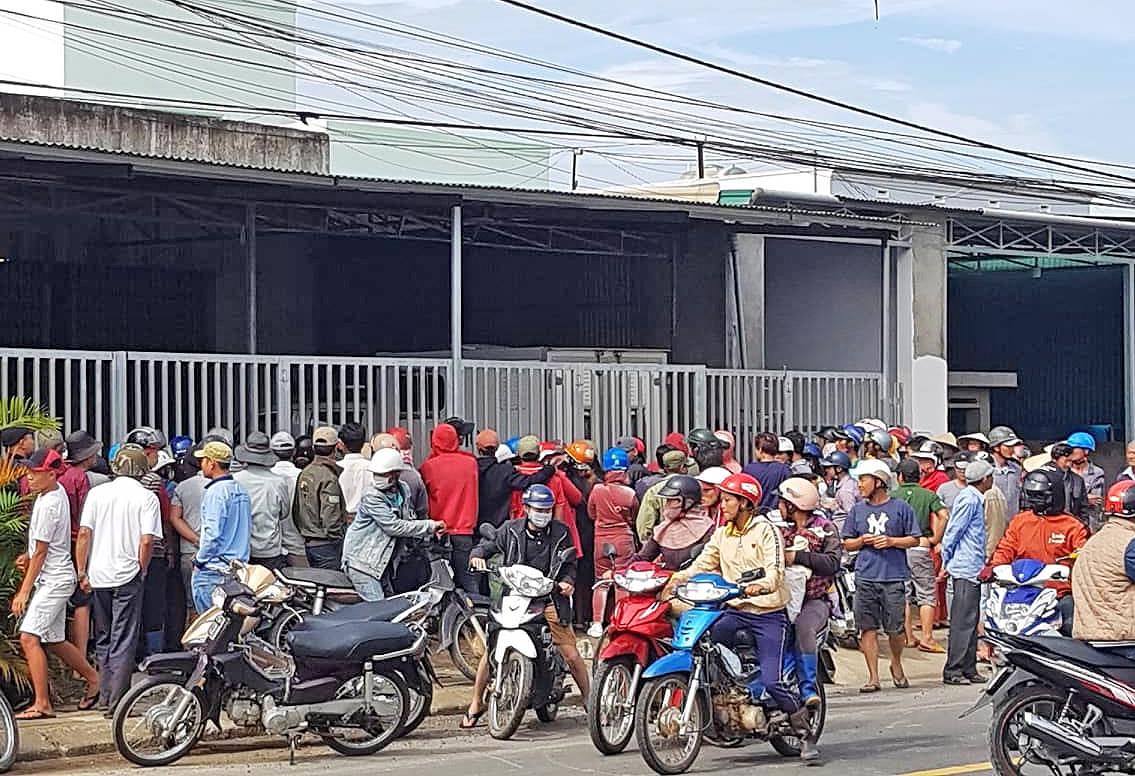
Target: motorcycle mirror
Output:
{"points": [[609, 551], [487, 531]]}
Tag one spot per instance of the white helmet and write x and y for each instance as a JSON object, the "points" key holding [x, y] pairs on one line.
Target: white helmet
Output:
{"points": [[875, 468], [714, 475], [386, 461], [164, 460], [784, 445], [872, 424]]}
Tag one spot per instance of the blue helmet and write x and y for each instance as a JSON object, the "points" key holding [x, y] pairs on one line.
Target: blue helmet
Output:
{"points": [[854, 433], [539, 496], [813, 450], [839, 459], [180, 446], [511, 443], [616, 460], [1083, 440]]}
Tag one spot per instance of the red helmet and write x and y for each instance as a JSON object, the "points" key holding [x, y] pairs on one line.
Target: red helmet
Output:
{"points": [[1120, 499], [900, 433], [743, 486]]}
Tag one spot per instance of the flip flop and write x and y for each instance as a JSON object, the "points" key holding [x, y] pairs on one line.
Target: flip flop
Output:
{"points": [[470, 721], [867, 689], [33, 714], [933, 648], [89, 702], [900, 682]]}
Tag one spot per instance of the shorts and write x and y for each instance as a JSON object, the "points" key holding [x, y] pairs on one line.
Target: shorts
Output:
{"points": [[46, 616], [880, 606], [562, 635], [923, 586]]}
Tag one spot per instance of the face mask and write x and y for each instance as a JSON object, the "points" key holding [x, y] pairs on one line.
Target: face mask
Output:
{"points": [[540, 517], [671, 512], [385, 481]]}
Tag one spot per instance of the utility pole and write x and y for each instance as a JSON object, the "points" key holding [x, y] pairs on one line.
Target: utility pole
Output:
{"points": [[575, 154], [701, 159]]}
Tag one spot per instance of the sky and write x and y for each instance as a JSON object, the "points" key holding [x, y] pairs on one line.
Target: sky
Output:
{"points": [[1044, 76]]}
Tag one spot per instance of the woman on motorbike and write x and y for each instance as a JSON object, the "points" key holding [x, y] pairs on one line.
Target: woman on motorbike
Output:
{"points": [[612, 508], [685, 526], [799, 506], [750, 542]]}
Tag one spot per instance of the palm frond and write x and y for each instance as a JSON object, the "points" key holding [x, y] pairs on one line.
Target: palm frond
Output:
{"points": [[13, 667], [19, 411]]}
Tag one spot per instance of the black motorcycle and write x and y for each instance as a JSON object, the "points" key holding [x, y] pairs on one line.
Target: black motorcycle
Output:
{"points": [[1060, 706], [347, 684]]}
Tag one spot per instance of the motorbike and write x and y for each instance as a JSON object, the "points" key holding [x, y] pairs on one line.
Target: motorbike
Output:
{"points": [[843, 627], [1060, 706], [9, 734], [347, 684], [528, 670], [1020, 604], [638, 634], [700, 691]]}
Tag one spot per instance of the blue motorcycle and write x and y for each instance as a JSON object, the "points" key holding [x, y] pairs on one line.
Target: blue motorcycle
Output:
{"points": [[701, 690], [1020, 602]]}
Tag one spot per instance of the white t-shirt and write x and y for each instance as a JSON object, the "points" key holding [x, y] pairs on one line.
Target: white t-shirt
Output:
{"points": [[354, 480], [119, 514], [51, 522]]}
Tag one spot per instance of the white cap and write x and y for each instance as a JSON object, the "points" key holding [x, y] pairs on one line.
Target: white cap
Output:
{"points": [[282, 442], [504, 454]]}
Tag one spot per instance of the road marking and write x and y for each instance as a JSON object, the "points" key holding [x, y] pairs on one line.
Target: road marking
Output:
{"points": [[953, 770]]}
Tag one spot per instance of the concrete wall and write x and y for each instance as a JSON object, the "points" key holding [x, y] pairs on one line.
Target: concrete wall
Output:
{"points": [[156, 133]]}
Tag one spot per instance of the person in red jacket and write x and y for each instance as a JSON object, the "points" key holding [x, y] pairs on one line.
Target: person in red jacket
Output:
{"points": [[929, 456], [612, 508], [451, 478]]}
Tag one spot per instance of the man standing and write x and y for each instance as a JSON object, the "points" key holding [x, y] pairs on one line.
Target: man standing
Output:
{"points": [[226, 522], [843, 490], [185, 518], [635, 449], [963, 558], [154, 602], [498, 480], [83, 452], [318, 509], [419, 498], [283, 446], [1007, 471], [767, 470], [650, 503], [18, 443], [949, 491], [121, 521], [1075, 490], [881, 530], [268, 497], [1083, 445], [450, 474], [354, 478], [929, 455], [49, 580], [931, 515]]}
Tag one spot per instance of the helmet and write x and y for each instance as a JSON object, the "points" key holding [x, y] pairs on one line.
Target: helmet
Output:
{"points": [[812, 449], [703, 437], [385, 461], [871, 424], [539, 496], [743, 486], [800, 493], [784, 445], [827, 433], [581, 452], [512, 443], [976, 436], [282, 442], [876, 469], [1082, 440], [164, 460], [220, 433], [803, 469], [305, 451], [1043, 492], [1003, 435], [146, 436], [929, 450], [882, 439], [854, 433], [964, 457], [900, 433], [1121, 499], [681, 486], [616, 460], [180, 446], [838, 458], [714, 475]]}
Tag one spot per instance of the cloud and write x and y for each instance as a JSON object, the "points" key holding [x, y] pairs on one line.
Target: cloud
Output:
{"points": [[942, 45], [885, 85]]}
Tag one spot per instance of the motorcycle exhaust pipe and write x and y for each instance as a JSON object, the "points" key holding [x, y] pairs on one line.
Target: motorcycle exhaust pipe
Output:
{"points": [[1062, 739]]}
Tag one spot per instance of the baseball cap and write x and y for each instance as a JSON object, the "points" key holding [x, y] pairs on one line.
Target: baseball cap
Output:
{"points": [[215, 451], [11, 436], [673, 458], [487, 439], [282, 442], [49, 438], [976, 471], [45, 459], [130, 461], [528, 445], [325, 435]]}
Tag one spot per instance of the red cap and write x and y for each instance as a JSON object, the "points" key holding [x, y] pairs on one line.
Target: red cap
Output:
{"points": [[46, 460]]}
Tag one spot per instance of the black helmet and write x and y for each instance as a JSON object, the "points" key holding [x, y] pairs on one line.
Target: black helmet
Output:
{"points": [[703, 437], [146, 436], [1043, 492], [305, 451], [684, 487]]}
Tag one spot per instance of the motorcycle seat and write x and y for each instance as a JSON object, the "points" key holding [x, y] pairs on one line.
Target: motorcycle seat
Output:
{"points": [[351, 641], [373, 611], [1095, 654], [311, 577]]}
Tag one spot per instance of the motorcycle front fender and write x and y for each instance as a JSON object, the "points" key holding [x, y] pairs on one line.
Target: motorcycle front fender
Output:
{"points": [[518, 640], [180, 663], [457, 606], [681, 662], [998, 688]]}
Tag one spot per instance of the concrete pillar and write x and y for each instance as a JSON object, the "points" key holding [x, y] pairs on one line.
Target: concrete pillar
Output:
{"points": [[920, 327], [749, 270]]}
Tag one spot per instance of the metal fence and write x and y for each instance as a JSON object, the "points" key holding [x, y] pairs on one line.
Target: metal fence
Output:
{"points": [[109, 392]]}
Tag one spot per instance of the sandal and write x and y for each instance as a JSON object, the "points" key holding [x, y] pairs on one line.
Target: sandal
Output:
{"points": [[470, 721], [34, 714], [867, 689], [931, 647], [900, 682], [89, 702]]}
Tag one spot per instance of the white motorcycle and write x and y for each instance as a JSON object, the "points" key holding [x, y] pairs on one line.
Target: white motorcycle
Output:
{"points": [[1020, 603]]}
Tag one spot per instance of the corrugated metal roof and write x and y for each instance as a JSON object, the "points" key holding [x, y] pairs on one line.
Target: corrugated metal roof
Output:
{"points": [[722, 212]]}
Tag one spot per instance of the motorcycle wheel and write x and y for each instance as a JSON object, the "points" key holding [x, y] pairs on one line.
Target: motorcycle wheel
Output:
{"points": [[507, 706], [1006, 736], [789, 746], [548, 712], [144, 731], [278, 633], [610, 709], [418, 708], [468, 646], [9, 735], [658, 720], [390, 696]]}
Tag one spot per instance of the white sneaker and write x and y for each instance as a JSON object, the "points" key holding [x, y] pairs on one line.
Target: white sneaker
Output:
{"points": [[595, 631]]}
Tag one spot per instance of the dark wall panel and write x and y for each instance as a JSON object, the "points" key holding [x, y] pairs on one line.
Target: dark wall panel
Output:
{"points": [[1061, 333]]}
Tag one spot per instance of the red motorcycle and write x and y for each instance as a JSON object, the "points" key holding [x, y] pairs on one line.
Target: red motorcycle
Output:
{"points": [[638, 634]]}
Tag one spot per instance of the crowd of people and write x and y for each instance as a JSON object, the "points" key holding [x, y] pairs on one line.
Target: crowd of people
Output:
{"points": [[133, 543]]}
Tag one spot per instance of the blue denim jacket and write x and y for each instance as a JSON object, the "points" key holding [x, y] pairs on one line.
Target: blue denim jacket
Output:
{"points": [[382, 519], [226, 522], [963, 545]]}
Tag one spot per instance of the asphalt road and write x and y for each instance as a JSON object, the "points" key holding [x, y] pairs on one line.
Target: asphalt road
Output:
{"points": [[902, 733]]}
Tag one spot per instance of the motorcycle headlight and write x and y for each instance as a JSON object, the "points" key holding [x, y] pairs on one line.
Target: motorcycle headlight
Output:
{"points": [[702, 592], [526, 581]]}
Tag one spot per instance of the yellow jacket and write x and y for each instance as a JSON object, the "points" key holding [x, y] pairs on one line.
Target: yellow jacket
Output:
{"points": [[760, 546]]}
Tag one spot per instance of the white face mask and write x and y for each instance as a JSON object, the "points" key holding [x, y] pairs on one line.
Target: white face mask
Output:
{"points": [[539, 517], [385, 481]]}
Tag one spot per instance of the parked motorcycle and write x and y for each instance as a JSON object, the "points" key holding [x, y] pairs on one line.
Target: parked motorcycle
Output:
{"points": [[700, 691], [9, 735], [1020, 604], [843, 626], [528, 670], [638, 634], [1060, 706], [347, 684]]}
